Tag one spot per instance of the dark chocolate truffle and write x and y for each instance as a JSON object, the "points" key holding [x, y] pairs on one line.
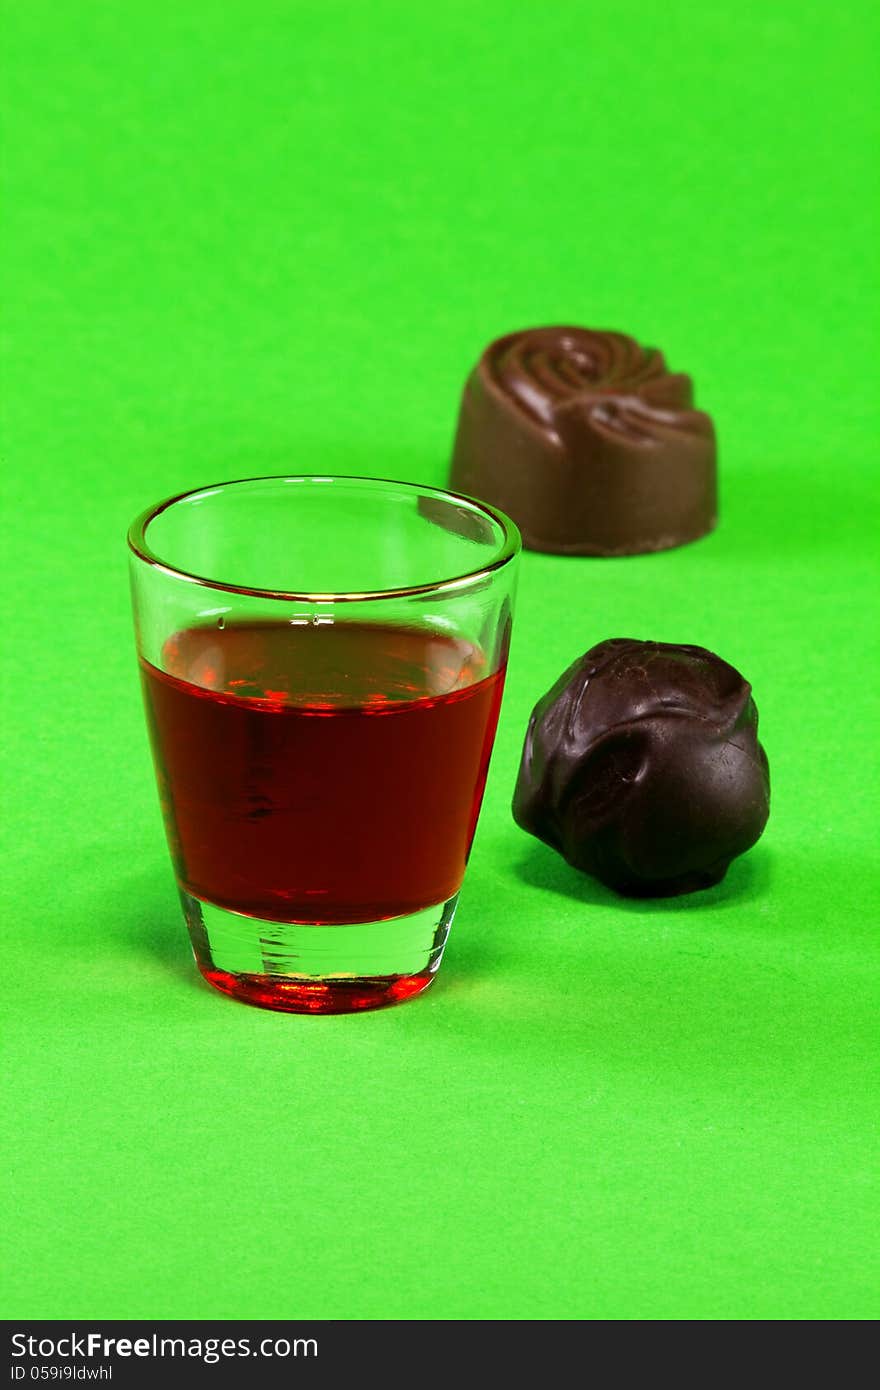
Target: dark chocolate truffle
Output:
{"points": [[642, 766], [588, 442]]}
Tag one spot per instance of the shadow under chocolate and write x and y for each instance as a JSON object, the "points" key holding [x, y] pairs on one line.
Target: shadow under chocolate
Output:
{"points": [[748, 877]]}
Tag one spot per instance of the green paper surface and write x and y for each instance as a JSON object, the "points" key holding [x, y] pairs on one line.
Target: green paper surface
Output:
{"points": [[267, 237]]}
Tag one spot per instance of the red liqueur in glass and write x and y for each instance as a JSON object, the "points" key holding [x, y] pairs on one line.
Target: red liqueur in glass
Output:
{"points": [[319, 772]]}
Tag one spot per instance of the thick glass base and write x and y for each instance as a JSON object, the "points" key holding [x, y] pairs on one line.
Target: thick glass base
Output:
{"points": [[301, 968]]}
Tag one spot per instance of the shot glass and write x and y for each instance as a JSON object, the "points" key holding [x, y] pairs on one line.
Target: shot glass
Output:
{"points": [[322, 661]]}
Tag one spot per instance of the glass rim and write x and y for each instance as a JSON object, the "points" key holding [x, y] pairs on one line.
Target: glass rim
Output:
{"points": [[507, 549]]}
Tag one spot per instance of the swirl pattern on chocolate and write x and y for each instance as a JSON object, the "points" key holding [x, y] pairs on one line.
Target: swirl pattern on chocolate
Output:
{"points": [[588, 441], [642, 767], [617, 384]]}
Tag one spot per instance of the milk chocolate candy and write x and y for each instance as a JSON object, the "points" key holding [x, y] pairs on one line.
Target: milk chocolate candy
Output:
{"points": [[642, 767], [588, 442]]}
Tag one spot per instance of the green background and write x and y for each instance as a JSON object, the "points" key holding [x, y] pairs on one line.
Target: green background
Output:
{"points": [[257, 237]]}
